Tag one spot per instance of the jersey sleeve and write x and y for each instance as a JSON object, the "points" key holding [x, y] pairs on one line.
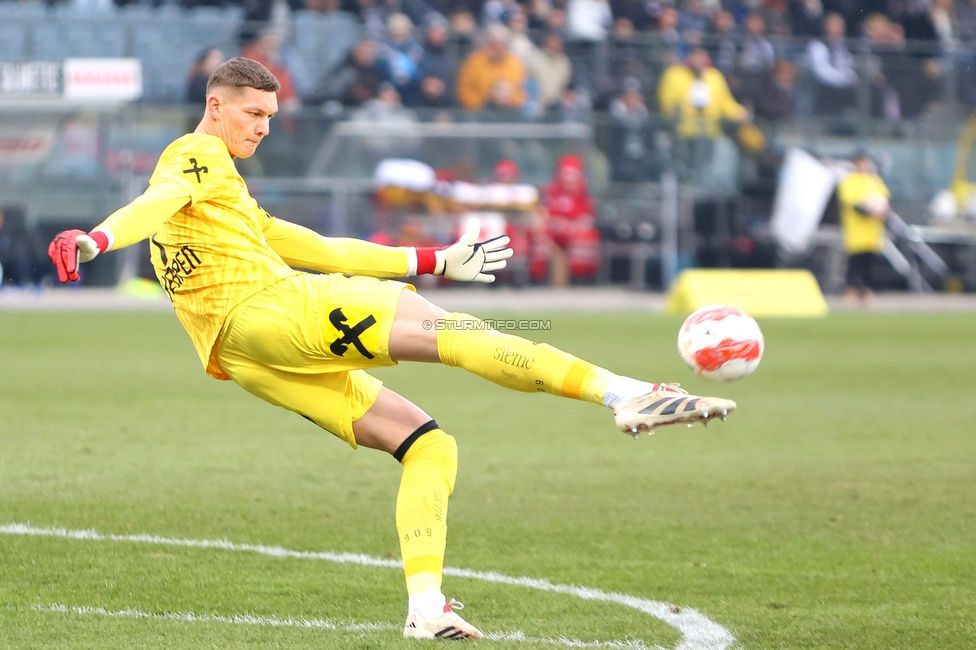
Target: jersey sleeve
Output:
{"points": [[302, 248], [200, 168], [141, 219]]}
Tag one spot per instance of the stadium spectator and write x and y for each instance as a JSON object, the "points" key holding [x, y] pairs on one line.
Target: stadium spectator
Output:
{"points": [[200, 71], [266, 51], [386, 109], [519, 41], [627, 58], [965, 11], [697, 98], [463, 24], [863, 198], [551, 71], [372, 16], [538, 14], [437, 66], [556, 20], [400, 54], [354, 81], [904, 82], [641, 14], [945, 24], [588, 20], [631, 144], [568, 216], [775, 15], [724, 43], [832, 69], [21, 261], [267, 17], [492, 76], [305, 341], [806, 18], [665, 43], [522, 222], [323, 6], [694, 22], [915, 19], [499, 11], [755, 58], [776, 97]]}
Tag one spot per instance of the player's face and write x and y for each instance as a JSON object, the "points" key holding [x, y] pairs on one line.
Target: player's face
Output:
{"points": [[245, 118]]}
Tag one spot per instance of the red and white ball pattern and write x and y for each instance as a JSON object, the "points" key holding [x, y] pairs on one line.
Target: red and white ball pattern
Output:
{"points": [[721, 343]]}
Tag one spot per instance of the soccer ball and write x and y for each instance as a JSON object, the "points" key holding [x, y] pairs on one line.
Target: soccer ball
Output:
{"points": [[721, 343]]}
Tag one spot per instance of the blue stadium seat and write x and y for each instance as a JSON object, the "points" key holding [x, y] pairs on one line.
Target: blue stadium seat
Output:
{"points": [[58, 39], [167, 49], [323, 40]]}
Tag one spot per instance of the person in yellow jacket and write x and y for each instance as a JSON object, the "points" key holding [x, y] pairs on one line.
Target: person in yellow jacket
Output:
{"points": [[696, 95], [863, 198], [492, 76]]}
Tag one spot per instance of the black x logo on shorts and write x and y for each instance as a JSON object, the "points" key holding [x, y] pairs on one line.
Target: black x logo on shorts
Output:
{"points": [[350, 335]]}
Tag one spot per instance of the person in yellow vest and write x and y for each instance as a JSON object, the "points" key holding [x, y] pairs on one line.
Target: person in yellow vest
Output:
{"points": [[863, 198], [696, 96]]}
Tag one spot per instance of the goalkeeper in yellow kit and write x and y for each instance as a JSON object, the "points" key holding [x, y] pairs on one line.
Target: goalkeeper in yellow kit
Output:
{"points": [[303, 340]]}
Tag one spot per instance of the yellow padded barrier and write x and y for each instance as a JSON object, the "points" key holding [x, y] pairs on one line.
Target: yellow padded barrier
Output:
{"points": [[776, 292]]}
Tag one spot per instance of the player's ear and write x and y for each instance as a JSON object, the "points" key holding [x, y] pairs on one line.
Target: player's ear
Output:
{"points": [[214, 104]]}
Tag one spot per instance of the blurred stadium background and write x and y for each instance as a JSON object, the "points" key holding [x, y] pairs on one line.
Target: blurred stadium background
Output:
{"points": [[835, 510], [70, 155]]}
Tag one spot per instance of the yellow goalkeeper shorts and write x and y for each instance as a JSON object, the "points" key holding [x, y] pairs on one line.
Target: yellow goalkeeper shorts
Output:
{"points": [[303, 343]]}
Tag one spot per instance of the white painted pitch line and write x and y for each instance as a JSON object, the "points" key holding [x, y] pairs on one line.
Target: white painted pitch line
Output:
{"points": [[316, 624], [237, 619], [697, 631]]}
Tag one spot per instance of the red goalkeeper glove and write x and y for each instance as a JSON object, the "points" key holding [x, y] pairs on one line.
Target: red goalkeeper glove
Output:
{"points": [[467, 259], [72, 247]]}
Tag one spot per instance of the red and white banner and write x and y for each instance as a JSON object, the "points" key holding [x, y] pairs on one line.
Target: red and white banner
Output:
{"points": [[102, 79], [18, 147]]}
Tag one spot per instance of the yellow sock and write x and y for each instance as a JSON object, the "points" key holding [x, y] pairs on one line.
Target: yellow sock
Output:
{"points": [[517, 363], [429, 472]]}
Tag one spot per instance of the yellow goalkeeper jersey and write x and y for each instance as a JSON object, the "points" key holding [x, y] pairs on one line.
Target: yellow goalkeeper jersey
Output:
{"points": [[212, 254]]}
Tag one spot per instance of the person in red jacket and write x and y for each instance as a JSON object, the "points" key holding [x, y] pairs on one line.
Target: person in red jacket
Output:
{"points": [[571, 242]]}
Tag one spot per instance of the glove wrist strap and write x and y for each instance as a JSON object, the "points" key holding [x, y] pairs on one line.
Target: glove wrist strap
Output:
{"points": [[427, 261], [101, 240]]}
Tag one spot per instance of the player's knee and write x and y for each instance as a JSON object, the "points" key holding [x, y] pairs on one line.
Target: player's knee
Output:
{"points": [[429, 444]]}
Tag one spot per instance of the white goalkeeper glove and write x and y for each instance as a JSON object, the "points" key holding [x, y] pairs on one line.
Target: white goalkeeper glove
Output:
{"points": [[467, 259]]}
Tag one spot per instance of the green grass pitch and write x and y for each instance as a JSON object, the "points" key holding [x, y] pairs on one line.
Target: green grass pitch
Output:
{"points": [[835, 509]]}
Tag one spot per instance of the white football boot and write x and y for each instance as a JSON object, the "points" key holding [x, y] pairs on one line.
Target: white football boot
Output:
{"points": [[669, 404], [447, 625]]}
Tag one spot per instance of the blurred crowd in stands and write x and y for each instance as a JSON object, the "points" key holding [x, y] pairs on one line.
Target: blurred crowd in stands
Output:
{"points": [[526, 56], [679, 72], [668, 76], [702, 67]]}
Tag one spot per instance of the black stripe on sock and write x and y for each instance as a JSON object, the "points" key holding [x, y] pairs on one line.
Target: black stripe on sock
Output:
{"points": [[412, 438]]}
